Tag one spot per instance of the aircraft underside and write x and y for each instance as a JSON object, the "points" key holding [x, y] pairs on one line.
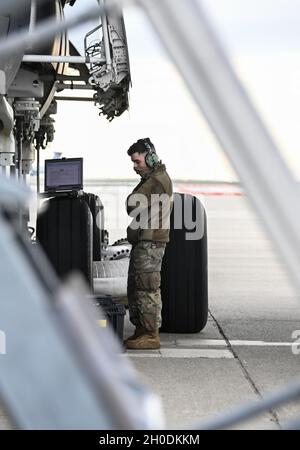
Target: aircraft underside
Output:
{"points": [[31, 76]]}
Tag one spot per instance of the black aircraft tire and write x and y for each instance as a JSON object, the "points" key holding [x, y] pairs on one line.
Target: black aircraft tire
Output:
{"points": [[184, 285], [64, 230], [96, 208]]}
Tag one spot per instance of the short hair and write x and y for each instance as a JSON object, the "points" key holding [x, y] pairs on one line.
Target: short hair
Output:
{"points": [[137, 147]]}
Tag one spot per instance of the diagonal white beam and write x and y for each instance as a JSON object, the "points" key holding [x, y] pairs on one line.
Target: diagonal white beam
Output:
{"points": [[198, 55]]}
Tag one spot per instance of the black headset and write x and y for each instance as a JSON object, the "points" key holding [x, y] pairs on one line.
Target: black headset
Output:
{"points": [[151, 158]]}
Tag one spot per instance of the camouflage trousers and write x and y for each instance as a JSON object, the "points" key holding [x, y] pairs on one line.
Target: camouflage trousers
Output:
{"points": [[143, 288]]}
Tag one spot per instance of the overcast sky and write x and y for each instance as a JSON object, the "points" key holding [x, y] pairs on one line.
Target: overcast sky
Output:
{"points": [[262, 39]]}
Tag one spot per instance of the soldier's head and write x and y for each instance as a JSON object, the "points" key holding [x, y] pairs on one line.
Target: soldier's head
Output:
{"points": [[144, 156]]}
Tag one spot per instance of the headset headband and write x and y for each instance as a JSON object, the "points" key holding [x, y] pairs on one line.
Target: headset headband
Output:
{"points": [[148, 145]]}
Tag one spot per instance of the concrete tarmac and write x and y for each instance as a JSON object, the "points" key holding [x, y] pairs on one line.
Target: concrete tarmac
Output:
{"points": [[246, 348]]}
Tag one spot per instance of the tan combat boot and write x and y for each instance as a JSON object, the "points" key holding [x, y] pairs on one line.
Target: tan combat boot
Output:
{"points": [[148, 341], [138, 332]]}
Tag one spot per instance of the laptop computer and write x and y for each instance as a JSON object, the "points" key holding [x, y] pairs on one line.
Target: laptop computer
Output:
{"points": [[63, 175]]}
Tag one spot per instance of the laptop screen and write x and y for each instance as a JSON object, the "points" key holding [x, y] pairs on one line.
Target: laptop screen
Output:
{"points": [[63, 174]]}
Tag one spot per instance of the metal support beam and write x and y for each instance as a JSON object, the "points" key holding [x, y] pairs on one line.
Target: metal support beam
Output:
{"points": [[75, 99], [62, 59], [69, 78], [33, 15], [102, 4], [49, 99], [74, 86]]}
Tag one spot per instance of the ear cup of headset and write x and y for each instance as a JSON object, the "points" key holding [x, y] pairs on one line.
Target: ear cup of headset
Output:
{"points": [[151, 158]]}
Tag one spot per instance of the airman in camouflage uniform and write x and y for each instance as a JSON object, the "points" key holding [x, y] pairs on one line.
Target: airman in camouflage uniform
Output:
{"points": [[148, 245]]}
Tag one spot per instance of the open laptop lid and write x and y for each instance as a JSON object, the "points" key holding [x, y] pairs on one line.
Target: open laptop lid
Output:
{"points": [[63, 175]]}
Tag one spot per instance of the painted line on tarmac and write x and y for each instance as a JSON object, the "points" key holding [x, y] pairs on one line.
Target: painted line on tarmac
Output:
{"points": [[189, 348], [261, 343], [222, 343]]}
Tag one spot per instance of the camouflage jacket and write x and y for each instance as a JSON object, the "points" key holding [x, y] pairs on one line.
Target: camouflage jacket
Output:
{"points": [[153, 222]]}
